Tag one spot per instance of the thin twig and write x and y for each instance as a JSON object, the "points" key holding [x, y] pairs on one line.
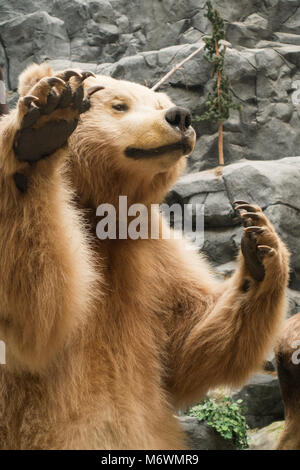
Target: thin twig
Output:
{"points": [[175, 68], [220, 126]]}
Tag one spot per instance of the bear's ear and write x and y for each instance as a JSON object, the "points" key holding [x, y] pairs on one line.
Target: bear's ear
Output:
{"points": [[31, 75]]}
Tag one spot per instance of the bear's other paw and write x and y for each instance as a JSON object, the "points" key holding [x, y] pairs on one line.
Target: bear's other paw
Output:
{"points": [[49, 114], [259, 242]]}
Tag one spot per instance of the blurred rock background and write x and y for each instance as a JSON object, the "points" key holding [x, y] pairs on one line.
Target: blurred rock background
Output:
{"points": [[140, 40]]}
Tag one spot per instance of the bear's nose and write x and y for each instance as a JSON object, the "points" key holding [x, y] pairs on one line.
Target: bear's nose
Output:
{"points": [[180, 117]]}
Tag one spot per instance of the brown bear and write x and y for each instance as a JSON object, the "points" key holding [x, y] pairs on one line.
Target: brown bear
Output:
{"points": [[106, 339], [288, 367]]}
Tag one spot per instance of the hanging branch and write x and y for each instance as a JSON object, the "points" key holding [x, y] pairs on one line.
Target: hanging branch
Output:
{"points": [[175, 68], [220, 100], [220, 125]]}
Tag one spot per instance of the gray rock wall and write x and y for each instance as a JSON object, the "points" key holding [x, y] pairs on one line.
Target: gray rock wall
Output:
{"points": [[201, 436], [274, 185], [262, 402], [141, 39]]}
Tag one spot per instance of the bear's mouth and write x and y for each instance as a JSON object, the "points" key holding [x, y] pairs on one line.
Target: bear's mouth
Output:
{"points": [[183, 145]]}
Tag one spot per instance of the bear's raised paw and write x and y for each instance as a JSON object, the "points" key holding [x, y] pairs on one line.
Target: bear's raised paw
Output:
{"points": [[259, 240], [49, 114]]}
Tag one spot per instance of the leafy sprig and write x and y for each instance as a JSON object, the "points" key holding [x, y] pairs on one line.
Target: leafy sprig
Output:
{"points": [[226, 417], [220, 100]]}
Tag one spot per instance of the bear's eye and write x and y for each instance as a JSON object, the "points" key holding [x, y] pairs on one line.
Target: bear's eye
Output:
{"points": [[120, 107]]}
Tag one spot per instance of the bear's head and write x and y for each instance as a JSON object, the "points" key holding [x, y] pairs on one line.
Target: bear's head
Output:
{"points": [[133, 141]]}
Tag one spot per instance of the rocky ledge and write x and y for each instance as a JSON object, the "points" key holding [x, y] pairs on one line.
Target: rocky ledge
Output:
{"points": [[273, 185]]}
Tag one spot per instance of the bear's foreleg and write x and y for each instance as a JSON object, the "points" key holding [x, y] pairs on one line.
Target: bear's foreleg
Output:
{"points": [[46, 270], [230, 340]]}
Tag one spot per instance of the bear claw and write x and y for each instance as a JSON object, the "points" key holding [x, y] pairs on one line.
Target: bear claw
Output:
{"points": [[254, 229], [86, 104], [247, 217], [266, 250], [93, 89], [85, 75], [33, 112], [239, 202], [27, 100], [67, 74], [54, 81], [247, 207]]}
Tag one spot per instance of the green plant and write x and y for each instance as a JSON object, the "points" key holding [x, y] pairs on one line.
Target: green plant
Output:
{"points": [[220, 100], [225, 416]]}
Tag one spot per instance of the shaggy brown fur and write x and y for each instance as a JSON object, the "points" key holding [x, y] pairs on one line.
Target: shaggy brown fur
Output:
{"points": [[288, 348], [106, 339]]}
